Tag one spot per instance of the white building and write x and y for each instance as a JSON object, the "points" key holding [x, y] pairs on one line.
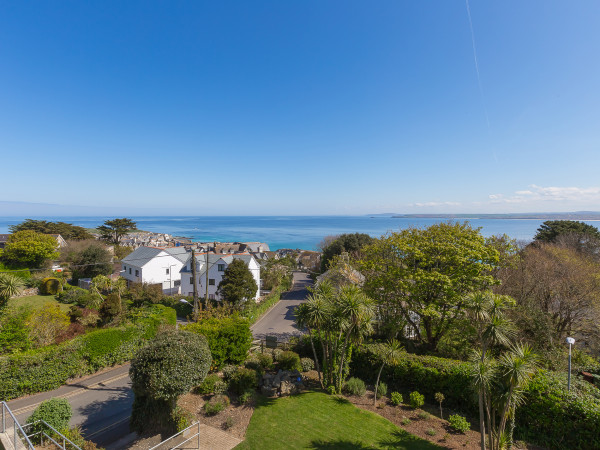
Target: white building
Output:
{"points": [[217, 264], [155, 266]]}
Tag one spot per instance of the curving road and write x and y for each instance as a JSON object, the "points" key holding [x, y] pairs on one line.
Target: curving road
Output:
{"points": [[279, 321]]}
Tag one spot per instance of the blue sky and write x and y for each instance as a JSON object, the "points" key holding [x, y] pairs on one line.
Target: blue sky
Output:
{"points": [[312, 107]]}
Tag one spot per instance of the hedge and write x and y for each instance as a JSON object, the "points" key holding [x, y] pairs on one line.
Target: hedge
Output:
{"points": [[549, 416], [254, 311], [229, 339], [50, 367]]}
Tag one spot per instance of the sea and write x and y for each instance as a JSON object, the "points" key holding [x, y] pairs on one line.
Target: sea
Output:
{"points": [[297, 232]]}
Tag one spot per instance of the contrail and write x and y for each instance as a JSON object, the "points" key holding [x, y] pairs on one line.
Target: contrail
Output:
{"points": [[477, 64]]}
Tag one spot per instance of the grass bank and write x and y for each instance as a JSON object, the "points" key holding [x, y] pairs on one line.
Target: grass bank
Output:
{"points": [[36, 302], [320, 421]]}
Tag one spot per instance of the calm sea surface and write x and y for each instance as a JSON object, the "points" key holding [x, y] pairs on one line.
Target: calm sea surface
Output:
{"points": [[303, 232]]}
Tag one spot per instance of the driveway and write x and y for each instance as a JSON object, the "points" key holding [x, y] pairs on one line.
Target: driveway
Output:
{"points": [[279, 321]]}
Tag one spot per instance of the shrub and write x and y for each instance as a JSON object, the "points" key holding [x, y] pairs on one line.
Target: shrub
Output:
{"points": [[307, 364], [228, 371], [46, 323], [277, 352], [459, 423], [396, 398], [50, 286], [216, 404], [221, 387], [355, 386], [168, 367], [416, 400], [289, 360], [182, 418], [80, 297], [243, 380], [229, 338], [382, 389], [246, 397], [431, 432], [423, 415], [405, 421], [14, 334], [229, 422], [208, 385], [259, 362], [111, 307], [56, 412], [331, 389]]}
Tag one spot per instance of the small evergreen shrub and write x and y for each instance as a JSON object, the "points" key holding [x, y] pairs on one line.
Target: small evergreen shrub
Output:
{"points": [[228, 371], [416, 400], [182, 418], [246, 397], [424, 415], [221, 387], [243, 379], [229, 422], [307, 364], [277, 353], [208, 384], [431, 432], [216, 404], [405, 421], [459, 423], [50, 286], [396, 398], [382, 389], [331, 389], [355, 386], [289, 360], [56, 412]]}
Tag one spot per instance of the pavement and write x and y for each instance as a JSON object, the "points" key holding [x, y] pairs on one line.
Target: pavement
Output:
{"points": [[279, 321]]}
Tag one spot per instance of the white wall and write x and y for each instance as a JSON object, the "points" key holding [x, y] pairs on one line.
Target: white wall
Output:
{"points": [[155, 272]]}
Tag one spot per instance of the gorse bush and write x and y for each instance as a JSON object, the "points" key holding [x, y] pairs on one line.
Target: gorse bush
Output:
{"points": [[459, 423], [355, 386], [56, 412], [229, 338], [289, 361], [416, 400]]}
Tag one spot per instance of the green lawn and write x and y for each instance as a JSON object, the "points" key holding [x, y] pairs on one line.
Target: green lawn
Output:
{"points": [[320, 421], [36, 302]]}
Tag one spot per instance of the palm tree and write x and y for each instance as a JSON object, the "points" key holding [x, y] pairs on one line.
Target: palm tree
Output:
{"points": [[390, 354], [10, 285]]}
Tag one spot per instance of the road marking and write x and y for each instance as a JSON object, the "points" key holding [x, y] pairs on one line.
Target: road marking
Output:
{"points": [[88, 436], [73, 393]]}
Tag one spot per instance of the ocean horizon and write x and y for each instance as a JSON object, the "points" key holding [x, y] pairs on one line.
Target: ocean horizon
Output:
{"points": [[302, 232]]}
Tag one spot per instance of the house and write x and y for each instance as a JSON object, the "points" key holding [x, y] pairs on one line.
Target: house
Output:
{"points": [[155, 266], [3, 240], [59, 240], [217, 264]]}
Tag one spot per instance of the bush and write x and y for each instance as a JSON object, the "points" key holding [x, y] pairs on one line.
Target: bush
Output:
{"points": [[277, 352], [208, 385], [216, 404], [382, 389], [459, 423], [423, 415], [182, 418], [56, 412], [259, 362], [396, 398], [111, 307], [221, 387], [229, 339], [307, 364], [246, 397], [405, 421], [243, 380], [355, 386], [431, 432], [46, 323], [50, 367], [228, 371], [50, 286], [253, 311], [416, 400], [289, 361], [14, 334]]}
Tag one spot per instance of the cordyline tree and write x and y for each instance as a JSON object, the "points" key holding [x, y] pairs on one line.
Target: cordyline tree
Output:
{"points": [[10, 285], [420, 276], [339, 319], [113, 230]]}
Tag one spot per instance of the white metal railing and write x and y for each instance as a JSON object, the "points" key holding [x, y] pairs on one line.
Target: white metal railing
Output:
{"points": [[62, 440], [16, 429], [179, 444]]}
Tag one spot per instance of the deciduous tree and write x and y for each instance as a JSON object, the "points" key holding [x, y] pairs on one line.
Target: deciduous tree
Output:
{"points": [[351, 243], [30, 248]]}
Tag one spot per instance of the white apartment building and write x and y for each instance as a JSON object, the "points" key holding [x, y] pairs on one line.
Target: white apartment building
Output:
{"points": [[217, 264], [155, 266]]}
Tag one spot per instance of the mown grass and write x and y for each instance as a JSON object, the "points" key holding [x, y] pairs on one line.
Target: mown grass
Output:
{"points": [[36, 302], [320, 421]]}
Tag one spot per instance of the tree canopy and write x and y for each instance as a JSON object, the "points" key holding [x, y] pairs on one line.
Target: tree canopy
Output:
{"points": [[88, 261], [113, 230], [420, 276], [30, 248], [550, 230], [238, 284], [352, 243], [66, 230]]}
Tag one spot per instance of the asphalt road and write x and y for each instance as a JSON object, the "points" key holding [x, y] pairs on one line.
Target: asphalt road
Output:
{"points": [[101, 405], [279, 321]]}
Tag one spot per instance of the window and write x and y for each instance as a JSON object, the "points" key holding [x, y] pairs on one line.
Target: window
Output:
{"points": [[211, 296], [221, 267], [124, 267], [130, 271], [167, 271], [191, 280], [177, 283], [211, 282], [137, 273]]}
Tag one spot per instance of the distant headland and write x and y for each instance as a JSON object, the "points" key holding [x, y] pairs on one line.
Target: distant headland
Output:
{"points": [[577, 215]]}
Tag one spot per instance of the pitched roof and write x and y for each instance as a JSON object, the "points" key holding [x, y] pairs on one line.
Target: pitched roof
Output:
{"points": [[143, 255], [213, 258], [179, 253]]}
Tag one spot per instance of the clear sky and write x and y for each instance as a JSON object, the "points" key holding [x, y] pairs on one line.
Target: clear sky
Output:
{"points": [[306, 107]]}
